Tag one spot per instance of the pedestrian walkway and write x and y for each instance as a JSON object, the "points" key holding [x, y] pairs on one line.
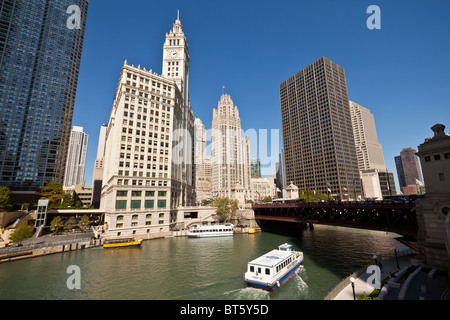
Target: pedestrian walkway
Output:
{"points": [[361, 284], [422, 287]]}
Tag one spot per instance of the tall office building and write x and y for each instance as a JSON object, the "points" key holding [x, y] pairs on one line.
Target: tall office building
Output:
{"points": [[40, 56], [199, 141], [376, 180], [76, 158], [231, 171], [255, 166], [97, 176], [368, 149], [319, 146], [203, 173], [148, 164], [408, 168]]}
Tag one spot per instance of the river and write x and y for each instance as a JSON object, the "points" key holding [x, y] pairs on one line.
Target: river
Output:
{"points": [[182, 268]]}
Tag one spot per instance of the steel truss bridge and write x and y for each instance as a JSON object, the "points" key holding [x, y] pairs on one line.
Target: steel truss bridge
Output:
{"points": [[399, 218]]}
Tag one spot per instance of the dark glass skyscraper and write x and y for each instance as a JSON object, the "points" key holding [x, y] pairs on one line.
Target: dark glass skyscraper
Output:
{"points": [[40, 55], [319, 146]]}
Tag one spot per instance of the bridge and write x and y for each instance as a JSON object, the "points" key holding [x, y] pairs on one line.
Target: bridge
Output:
{"points": [[394, 217]]}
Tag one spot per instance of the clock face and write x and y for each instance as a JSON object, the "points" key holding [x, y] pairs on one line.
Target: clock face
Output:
{"points": [[173, 54]]}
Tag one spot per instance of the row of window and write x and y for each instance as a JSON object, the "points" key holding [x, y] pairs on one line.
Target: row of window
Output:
{"points": [[437, 157], [121, 193], [139, 205]]}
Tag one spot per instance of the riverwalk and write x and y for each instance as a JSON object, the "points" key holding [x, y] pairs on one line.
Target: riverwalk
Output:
{"points": [[406, 279]]}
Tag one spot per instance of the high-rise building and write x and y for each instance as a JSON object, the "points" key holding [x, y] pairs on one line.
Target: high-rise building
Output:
{"points": [[319, 146], [203, 173], [40, 54], [280, 173], [368, 149], [231, 171], [199, 141], [76, 158], [408, 168], [97, 176], [255, 166], [374, 175], [148, 165]]}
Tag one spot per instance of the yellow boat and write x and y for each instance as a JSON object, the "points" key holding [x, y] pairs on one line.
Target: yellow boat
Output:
{"points": [[121, 243]]}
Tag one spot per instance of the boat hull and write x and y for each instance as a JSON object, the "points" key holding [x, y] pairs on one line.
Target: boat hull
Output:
{"points": [[190, 235], [122, 245], [277, 283]]}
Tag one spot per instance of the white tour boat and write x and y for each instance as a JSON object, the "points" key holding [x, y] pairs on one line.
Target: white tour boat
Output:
{"points": [[206, 231], [273, 269]]}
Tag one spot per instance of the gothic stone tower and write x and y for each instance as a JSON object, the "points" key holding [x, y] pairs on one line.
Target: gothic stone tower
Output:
{"points": [[433, 209]]}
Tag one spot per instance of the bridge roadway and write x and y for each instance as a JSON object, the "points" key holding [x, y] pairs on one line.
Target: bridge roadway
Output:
{"points": [[397, 217]]}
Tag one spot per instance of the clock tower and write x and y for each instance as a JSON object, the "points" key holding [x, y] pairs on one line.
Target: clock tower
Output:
{"points": [[176, 59]]}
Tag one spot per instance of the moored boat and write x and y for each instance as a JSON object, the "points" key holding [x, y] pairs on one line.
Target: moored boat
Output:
{"points": [[121, 243], [208, 231], [272, 270]]}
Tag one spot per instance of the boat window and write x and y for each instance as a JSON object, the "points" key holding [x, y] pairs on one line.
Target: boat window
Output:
{"points": [[268, 271], [259, 270], [252, 269]]}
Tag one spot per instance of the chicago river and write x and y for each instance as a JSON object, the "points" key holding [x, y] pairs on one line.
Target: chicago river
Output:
{"points": [[182, 268]]}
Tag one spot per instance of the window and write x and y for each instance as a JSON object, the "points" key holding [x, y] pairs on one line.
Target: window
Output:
{"points": [[135, 217], [149, 204], [135, 204], [136, 193], [149, 193], [121, 204], [437, 157], [161, 204], [252, 269], [122, 193], [268, 271], [162, 193], [441, 177], [447, 155], [427, 159]]}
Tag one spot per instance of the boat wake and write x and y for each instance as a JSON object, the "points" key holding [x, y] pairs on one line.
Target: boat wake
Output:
{"points": [[247, 294], [302, 286]]}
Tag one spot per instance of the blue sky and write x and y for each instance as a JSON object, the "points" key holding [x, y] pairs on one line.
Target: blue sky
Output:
{"points": [[400, 72]]}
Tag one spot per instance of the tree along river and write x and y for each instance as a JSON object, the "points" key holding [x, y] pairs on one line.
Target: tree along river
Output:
{"points": [[182, 268]]}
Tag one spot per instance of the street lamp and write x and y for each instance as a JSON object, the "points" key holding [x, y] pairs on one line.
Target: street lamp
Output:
{"points": [[396, 257], [375, 258], [352, 280]]}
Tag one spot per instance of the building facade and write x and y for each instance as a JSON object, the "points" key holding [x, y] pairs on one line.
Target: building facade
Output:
{"points": [[408, 168], [368, 149], [434, 208], [318, 141], [148, 165], [76, 158], [97, 176], [230, 153], [255, 166], [374, 175], [39, 65]]}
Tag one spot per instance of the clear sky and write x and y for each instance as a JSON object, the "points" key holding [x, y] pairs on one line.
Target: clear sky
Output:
{"points": [[400, 72]]}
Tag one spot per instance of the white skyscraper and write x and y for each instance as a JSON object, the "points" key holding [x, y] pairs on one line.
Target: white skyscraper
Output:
{"points": [[231, 171], [368, 150], [148, 165], [76, 158]]}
